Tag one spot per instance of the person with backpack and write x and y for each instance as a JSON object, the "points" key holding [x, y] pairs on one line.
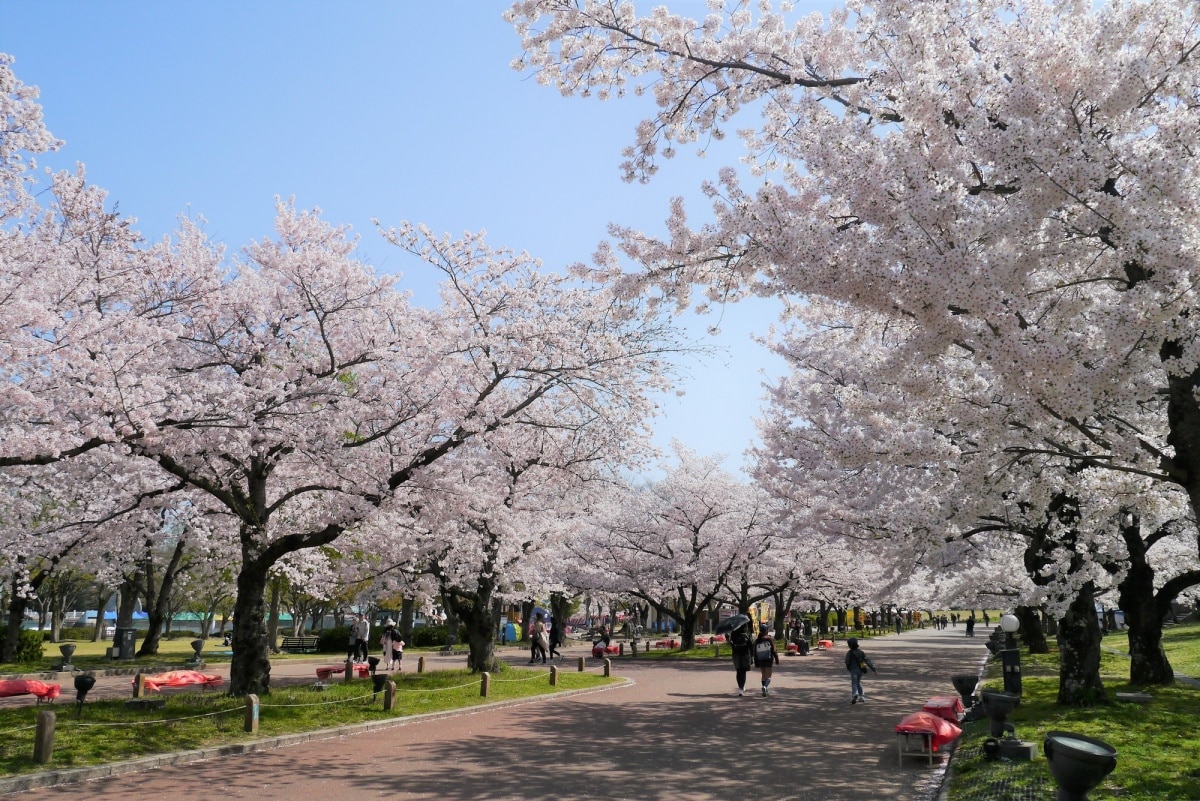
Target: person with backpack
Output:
{"points": [[743, 649], [765, 656], [857, 663]]}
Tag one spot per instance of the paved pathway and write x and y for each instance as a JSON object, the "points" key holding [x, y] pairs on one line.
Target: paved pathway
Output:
{"points": [[677, 731]]}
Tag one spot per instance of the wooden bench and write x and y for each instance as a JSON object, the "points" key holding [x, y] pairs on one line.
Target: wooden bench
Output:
{"points": [[305, 644]]}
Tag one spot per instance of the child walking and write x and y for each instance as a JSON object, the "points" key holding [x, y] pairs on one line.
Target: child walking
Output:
{"points": [[765, 656]]}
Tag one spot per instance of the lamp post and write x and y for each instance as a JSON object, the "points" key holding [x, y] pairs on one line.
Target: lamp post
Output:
{"points": [[1010, 656]]}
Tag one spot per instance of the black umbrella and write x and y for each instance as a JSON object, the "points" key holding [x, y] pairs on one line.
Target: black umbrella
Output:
{"points": [[732, 623]]}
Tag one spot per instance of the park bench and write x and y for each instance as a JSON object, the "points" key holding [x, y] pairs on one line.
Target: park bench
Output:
{"points": [[304, 644], [923, 733]]}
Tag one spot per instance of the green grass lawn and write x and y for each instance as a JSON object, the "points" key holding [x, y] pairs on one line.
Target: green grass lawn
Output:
{"points": [[1158, 744], [109, 732]]}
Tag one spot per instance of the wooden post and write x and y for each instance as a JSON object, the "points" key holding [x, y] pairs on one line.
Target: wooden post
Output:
{"points": [[420, 664], [621, 646], [349, 674], [554, 675], [484, 684], [607, 668], [139, 686], [43, 738], [389, 696], [581, 664], [633, 648], [251, 721]]}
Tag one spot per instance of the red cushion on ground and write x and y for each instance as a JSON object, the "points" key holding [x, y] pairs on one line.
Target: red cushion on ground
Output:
{"points": [[41, 689], [943, 731]]}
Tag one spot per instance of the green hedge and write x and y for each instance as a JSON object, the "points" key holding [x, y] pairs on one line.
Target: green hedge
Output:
{"points": [[333, 640], [29, 649], [430, 636]]}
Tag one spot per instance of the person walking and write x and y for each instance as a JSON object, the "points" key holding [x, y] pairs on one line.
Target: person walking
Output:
{"points": [[765, 656], [857, 663], [362, 630], [539, 640], [743, 649], [555, 639], [391, 644]]}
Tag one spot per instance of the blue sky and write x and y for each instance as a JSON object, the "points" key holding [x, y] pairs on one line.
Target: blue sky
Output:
{"points": [[396, 110]]}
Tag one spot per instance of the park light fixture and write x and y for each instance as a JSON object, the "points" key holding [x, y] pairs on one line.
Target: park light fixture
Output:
{"points": [[83, 683], [1077, 763], [1010, 656]]}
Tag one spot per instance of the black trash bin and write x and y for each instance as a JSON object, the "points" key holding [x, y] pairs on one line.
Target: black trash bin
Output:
{"points": [[124, 643]]}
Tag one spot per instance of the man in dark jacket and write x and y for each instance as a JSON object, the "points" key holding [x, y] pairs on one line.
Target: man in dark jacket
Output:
{"points": [[743, 647], [857, 663]]}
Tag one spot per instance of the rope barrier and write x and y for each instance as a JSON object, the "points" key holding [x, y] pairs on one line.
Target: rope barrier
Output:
{"points": [[78, 724], [438, 689], [527, 678], [19, 728], [316, 703]]}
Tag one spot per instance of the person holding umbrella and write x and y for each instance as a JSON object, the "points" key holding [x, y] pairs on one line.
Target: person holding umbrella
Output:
{"points": [[742, 644]]}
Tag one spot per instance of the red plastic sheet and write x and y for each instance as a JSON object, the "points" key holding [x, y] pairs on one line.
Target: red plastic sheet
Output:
{"points": [[180, 678], [43, 691], [943, 731]]}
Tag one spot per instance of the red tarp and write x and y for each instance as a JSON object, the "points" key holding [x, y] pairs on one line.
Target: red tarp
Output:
{"points": [[599, 651], [43, 691], [943, 731], [180, 678]]}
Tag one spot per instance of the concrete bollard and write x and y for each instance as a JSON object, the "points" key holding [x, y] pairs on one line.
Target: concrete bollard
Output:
{"points": [[139, 686], [484, 684], [581, 659], [554, 675], [420, 664], [607, 668], [43, 738], [389, 696], [250, 724]]}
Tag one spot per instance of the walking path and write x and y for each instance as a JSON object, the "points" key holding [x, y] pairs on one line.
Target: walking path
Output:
{"points": [[678, 730]]}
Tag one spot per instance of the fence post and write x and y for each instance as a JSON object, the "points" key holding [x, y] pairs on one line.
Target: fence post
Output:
{"points": [[581, 664], [554, 675], [139, 686], [420, 664], [43, 738], [251, 721], [389, 696], [349, 674], [607, 668], [483, 684]]}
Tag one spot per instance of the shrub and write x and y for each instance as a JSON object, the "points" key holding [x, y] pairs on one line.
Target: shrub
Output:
{"points": [[429, 637], [333, 640], [29, 647], [83, 633]]}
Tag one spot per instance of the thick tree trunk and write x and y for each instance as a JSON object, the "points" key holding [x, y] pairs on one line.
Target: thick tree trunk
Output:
{"points": [[102, 598], [250, 667], [1079, 682], [273, 618], [12, 635], [1148, 664], [823, 619], [1032, 631], [406, 618], [158, 602]]}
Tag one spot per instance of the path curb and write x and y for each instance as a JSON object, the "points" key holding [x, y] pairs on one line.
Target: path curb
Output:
{"points": [[53, 778]]}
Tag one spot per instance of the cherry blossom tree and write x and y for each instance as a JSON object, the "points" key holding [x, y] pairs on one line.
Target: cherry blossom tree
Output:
{"points": [[1009, 179], [677, 543]]}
